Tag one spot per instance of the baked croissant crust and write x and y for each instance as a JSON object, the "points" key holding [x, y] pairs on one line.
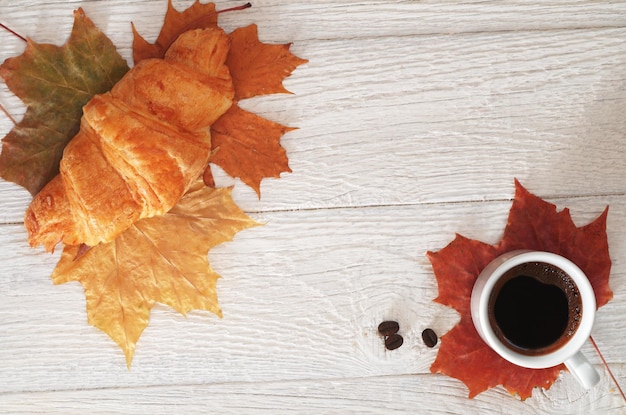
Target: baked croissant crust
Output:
{"points": [[140, 146]]}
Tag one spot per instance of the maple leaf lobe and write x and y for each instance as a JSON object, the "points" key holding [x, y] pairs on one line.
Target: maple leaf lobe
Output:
{"points": [[196, 16], [249, 147], [458, 266], [536, 224], [259, 68], [54, 83]]}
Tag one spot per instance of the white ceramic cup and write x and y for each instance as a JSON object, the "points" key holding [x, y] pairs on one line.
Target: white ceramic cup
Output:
{"points": [[569, 353]]}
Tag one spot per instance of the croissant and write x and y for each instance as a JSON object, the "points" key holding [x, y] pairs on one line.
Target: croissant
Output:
{"points": [[139, 147]]}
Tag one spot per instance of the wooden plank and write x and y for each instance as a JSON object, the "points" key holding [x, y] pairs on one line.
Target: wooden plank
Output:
{"points": [[331, 19], [408, 394], [451, 119], [414, 118], [300, 302]]}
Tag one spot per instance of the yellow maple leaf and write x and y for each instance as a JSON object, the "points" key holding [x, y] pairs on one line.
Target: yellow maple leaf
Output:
{"points": [[161, 259]]}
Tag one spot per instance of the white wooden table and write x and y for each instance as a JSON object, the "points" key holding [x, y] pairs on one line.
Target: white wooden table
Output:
{"points": [[414, 118]]}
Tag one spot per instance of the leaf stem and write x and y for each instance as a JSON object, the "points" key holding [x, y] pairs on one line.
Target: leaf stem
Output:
{"points": [[12, 32], [243, 6], [7, 114], [607, 367], [199, 22]]}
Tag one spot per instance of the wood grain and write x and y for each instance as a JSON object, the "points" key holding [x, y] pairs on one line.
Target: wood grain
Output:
{"points": [[494, 119], [414, 118], [298, 305], [385, 394]]}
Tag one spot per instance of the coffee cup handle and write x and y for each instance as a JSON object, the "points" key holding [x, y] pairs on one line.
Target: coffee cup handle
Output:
{"points": [[583, 371]]}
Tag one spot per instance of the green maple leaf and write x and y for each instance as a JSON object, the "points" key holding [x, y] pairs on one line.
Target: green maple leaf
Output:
{"points": [[54, 83]]}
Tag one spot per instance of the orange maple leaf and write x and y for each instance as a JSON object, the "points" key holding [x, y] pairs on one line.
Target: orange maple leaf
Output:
{"points": [[161, 259], [532, 224], [258, 68], [249, 145]]}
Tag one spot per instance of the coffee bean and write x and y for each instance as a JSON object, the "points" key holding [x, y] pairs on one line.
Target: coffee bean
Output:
{"points": [[393, 342], [387, 328], [430, 337]]}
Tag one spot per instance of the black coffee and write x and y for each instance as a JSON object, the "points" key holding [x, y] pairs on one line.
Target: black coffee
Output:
{"points": [[535, 308]]}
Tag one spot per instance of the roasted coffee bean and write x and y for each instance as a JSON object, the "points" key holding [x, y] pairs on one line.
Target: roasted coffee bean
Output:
{"points": [[393, 342], [430, 337], [387, 328]]}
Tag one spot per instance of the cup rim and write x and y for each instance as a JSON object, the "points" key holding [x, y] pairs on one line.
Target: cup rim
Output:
{"points": [[487, 280]]}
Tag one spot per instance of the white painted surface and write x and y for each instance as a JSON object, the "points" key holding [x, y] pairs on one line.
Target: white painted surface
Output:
{"points": [[414, 117]]}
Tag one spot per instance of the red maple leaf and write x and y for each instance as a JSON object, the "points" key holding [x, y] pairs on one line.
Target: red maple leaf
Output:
{"points": [[532, 224]]}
